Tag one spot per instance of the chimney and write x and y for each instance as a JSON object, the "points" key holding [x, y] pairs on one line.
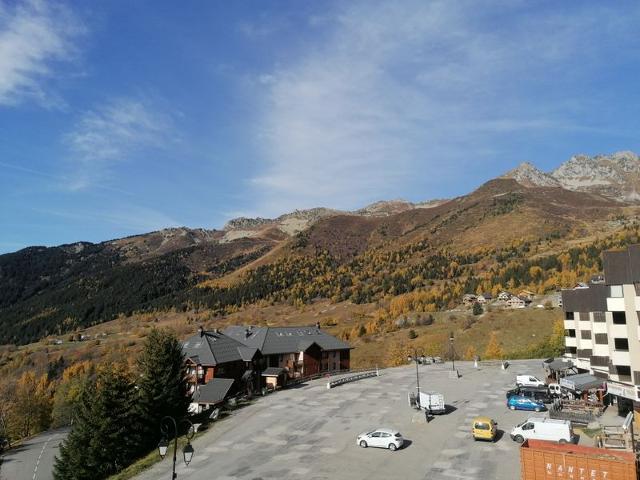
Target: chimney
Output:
{"points": [[247, 332], [201, 331]]}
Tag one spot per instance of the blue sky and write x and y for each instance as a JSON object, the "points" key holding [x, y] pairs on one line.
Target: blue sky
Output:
{"points": [[122, 117]]}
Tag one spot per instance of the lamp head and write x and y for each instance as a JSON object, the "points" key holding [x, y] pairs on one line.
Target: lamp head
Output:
{"points": [[163, 446], [187, 452]]}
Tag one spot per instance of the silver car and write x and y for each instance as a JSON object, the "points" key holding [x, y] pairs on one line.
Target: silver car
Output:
{"points": [[381, 437]]}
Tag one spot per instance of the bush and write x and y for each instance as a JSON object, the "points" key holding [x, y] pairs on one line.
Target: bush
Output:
{"points": [[477, 309], [412, 334]]}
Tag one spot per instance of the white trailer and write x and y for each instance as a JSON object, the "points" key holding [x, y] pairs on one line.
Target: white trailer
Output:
{"points": [[430, 402]]}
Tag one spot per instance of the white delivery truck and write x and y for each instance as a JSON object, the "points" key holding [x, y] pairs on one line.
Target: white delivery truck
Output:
{"points": [[543, 429], [430, 402]]}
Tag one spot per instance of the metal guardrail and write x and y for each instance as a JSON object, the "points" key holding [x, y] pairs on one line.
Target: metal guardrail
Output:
{"points": [[352, 378]]}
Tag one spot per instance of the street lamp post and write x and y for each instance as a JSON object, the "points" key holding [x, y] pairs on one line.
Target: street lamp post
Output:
{"points": [[187, 452], [453, 353], [417, 358]]}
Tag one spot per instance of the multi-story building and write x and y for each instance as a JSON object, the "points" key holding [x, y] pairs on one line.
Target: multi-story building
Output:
{"points": [[602, 329]]}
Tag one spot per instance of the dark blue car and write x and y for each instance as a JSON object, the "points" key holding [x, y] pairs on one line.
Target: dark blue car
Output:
{"points": [[518, 402]]}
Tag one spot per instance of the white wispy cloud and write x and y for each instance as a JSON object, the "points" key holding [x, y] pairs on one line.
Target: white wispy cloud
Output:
{"points": [[114, 133], [35, 36], [129, 217], [414, 92]]}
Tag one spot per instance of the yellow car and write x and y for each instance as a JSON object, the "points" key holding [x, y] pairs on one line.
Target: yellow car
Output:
{"points": [[484, 428]]}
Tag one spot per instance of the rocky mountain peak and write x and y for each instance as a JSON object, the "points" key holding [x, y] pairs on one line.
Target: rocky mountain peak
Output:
{"points": [[528, 175]]}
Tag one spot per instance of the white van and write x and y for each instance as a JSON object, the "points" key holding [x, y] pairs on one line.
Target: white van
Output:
{"points": [[543, 429], [528, 381]]}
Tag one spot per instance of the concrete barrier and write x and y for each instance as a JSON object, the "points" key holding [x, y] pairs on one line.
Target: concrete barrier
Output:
{"points": [[352, 378]]}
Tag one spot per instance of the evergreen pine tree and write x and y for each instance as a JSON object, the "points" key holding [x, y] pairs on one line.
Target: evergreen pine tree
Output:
{"points": [[72, 463], [104, 438], [162, 385], [115, 442]]}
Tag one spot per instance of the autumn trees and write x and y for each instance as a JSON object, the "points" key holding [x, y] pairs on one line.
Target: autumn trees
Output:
{"points": [[25, 409]]}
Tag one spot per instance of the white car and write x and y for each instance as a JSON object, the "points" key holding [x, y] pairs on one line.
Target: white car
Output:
{"points": [[381, 437], [528, 381]]}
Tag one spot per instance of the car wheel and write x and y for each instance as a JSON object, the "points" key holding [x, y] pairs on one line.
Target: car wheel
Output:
{"points": [[519, 438], [538, 409], [363, 444], [512, 407], [392, 447], [562, 441]]}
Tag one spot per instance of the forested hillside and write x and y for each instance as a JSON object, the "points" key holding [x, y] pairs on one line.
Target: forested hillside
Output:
{"points": [[503, 235]]}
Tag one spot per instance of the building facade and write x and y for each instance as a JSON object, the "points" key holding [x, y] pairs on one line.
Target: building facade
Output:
{"points": [[602, 329], [300, 351]]}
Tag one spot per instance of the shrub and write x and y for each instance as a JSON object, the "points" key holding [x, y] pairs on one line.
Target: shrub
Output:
{"points": [[412, 334]]}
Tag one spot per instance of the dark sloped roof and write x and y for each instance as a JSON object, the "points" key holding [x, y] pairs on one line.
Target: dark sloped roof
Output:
{"points": [[272, 371], [581, 382], [559, 364], [214, 391], [591, 299], [274, 340], [214, 348], [622, 267]]}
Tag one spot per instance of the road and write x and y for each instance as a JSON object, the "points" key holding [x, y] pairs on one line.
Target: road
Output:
{"points": [[310, 431], [33, 460]]}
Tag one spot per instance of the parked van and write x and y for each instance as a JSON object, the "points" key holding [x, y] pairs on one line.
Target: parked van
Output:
{"points": [[528, 381], [544, 429], [484, 428]]}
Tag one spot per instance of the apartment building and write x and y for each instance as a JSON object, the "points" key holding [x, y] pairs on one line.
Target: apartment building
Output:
{"points": [[602, 325]]}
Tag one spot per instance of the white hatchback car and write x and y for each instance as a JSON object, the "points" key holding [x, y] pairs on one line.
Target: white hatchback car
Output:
{"points": [[381, 437]]}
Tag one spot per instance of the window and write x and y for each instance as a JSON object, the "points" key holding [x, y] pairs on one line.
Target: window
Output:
{"points": [[385, 435], [619, 318], [571, 350], [623, 370], [584, 316], [585, 334], [570, 333], [621, 344], [599, 317], [568, 316], [483, 426], [601, 338], [616, 291], [375, 434], [528, 426]]}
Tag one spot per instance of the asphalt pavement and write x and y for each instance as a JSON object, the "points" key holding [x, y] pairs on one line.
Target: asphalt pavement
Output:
{"points": [[34, 458], [310, 432]]}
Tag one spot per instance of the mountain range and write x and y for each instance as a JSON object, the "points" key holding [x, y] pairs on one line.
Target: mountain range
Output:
{"points": [[385, 249]]}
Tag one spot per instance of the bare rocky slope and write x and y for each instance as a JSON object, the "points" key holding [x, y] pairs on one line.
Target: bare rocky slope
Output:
{"points": [[615, 176]]}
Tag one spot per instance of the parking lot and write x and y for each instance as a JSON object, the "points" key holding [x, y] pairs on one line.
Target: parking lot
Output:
{"points": [[309, 431]]}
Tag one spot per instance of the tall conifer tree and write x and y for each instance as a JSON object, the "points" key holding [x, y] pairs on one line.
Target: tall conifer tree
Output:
{"points": [[162, 384]]}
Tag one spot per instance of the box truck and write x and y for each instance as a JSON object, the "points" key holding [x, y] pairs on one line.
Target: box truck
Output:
{"points": [[542, 460]]}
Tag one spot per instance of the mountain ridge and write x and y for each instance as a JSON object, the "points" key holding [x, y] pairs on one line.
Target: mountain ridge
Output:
{"points": [[390, 248]]}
